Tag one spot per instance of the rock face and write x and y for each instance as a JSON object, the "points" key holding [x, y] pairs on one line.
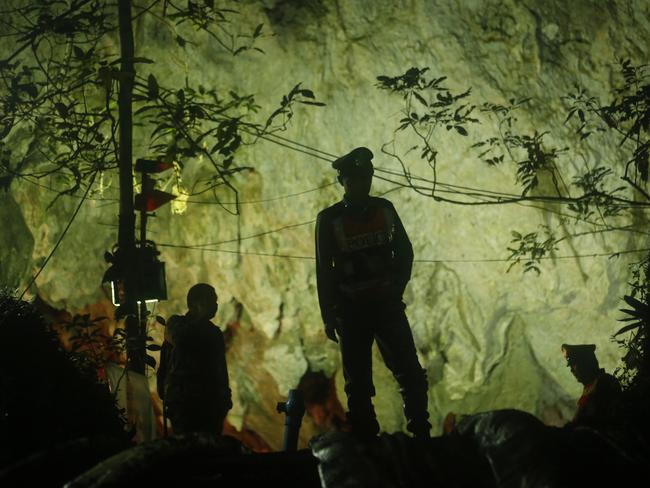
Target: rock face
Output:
{"points": [[488, 339], [16, 242]]}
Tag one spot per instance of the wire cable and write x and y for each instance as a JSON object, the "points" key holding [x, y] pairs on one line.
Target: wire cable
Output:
{"points": [[58, 242], [54, 190], [266, 200], [476, 193], [268, 232], [243, 253], [426, 261], [199, 202], [253, 236]]}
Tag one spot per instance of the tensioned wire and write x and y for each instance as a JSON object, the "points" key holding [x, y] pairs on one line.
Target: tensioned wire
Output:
{"points": [[205, 247], [483, 260], [476, 193], [314, 152], [317, 153], [60, 239]]}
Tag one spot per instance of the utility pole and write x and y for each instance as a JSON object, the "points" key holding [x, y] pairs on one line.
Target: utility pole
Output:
{"points": [[137, 267], [126, 233], [146, 184]]}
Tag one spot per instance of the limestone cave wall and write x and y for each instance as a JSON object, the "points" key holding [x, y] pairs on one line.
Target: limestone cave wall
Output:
{"points": [[488, 339]]}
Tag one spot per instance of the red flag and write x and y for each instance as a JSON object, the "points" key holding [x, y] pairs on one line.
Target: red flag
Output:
{"points": [[153, 200]]}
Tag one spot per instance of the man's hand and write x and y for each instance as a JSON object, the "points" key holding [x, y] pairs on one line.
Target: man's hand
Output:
{"points": [[330, 332], [449, 424]]}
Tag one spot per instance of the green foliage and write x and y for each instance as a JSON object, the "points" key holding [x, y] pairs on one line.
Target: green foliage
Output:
{"points": [[53, 88], [627, 114], [90, 346], [633, 337], [597, 197], [285, 111], [61, 82], [590, 197], [494, 149], [537, 159], [48, 396], [428, 106], [639, 313], [530, 249], [530, 153], [210, 18], [190, 123], [135, 345]]}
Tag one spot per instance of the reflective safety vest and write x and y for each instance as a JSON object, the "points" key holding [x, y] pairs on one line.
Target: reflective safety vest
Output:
{"points": [[363, 258]]}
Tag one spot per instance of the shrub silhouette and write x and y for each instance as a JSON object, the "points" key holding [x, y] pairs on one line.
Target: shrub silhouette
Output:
{"points": [[46, 397]]}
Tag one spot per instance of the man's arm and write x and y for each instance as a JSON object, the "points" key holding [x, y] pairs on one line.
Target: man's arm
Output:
{"points": [[176, 331], [403, 255], [163, 367], [222, 373], [325, 274]]}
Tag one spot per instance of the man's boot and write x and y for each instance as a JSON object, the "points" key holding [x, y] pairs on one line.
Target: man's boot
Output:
{"points": [[415, 410], [363, 422], [420, 428]]}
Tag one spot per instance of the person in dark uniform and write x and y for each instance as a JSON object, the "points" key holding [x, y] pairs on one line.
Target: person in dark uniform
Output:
{"points": [[363, 263], [194, 382], [601, 391]]}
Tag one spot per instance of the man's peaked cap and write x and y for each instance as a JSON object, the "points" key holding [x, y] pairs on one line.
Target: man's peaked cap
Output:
{"points": [[356, 162]]}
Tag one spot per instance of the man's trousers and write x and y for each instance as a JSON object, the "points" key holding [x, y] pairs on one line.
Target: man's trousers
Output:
{"points": [[387, 324]]}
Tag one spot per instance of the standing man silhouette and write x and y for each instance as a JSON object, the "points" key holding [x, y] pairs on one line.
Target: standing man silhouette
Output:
{"points": [[363, 263], [194, 375]]}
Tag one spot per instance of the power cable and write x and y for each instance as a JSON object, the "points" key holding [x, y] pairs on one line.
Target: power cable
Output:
{"points": [[268, 232], [244, 253], [58, 242], [199, 202], [475, 192], [429, 261], [253, 236], [54, 190], [266, 200], [447, 185], [305, 146], [289, 144], [281, 197], [497, 260]]}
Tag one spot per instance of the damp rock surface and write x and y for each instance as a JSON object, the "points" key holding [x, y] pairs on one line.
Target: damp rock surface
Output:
{"points": [[488, 339]]}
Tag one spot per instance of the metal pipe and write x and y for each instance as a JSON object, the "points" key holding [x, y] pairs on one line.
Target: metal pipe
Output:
{"points": [[294, 408]]}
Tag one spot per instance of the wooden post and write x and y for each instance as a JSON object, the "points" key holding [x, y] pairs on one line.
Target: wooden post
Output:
{"points": [[126, 233]]}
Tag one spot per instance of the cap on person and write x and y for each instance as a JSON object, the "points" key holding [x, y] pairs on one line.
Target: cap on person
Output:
{"points": [[357, 162]]}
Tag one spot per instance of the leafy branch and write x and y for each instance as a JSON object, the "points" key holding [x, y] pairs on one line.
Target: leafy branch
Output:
{"points": [[530, 250], [428, 105], [61, 88], [627, 114], [591, 194]]}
